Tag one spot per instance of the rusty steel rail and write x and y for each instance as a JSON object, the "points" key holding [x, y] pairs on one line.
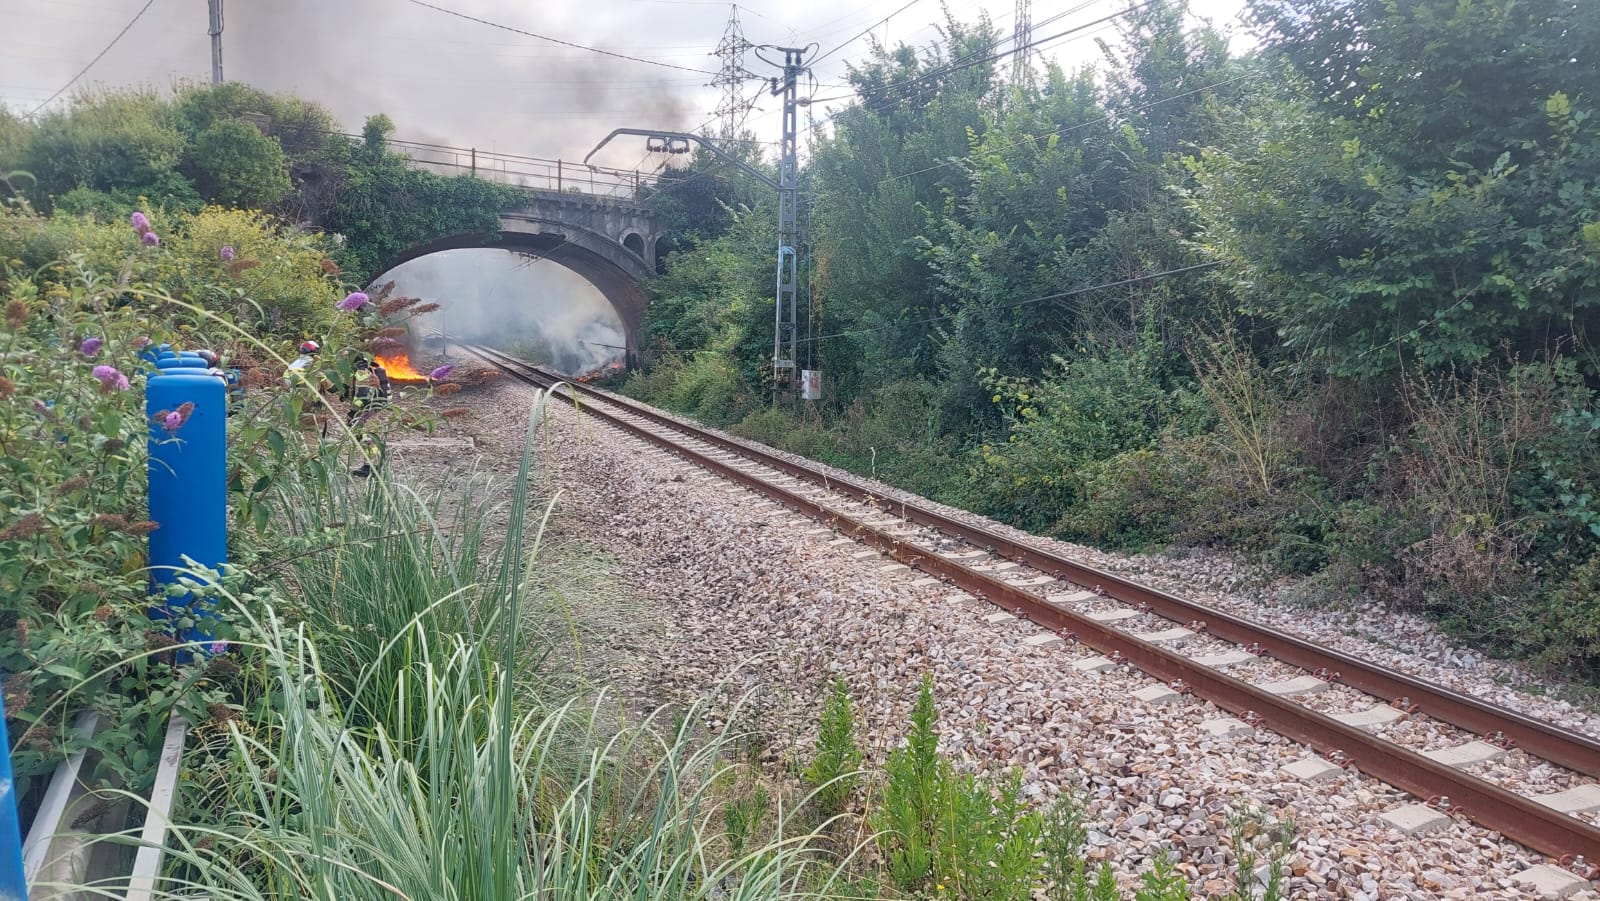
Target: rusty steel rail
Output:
{"points": [[1570, 749], [1520, 818]]}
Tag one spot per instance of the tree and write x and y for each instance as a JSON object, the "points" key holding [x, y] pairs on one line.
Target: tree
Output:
{"points": [[1421, 193], [234, 164], [123, 142]]}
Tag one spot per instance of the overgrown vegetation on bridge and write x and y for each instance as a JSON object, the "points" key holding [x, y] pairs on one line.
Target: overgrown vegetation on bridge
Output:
{"points": [[1331, 303], [109, 153]]}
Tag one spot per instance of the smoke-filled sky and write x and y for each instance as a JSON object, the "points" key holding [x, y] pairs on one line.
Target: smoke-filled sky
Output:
{"points": [[536, 307], [447, 80]]}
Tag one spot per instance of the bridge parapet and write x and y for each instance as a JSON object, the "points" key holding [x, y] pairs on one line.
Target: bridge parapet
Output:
{"points": [[582, 202], [531, 172]]}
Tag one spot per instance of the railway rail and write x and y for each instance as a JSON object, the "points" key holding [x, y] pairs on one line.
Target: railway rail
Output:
{"points": [[948, 549]]}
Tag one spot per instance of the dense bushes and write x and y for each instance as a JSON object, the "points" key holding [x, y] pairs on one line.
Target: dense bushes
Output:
{"points": [[81, 300], [235, 146], [1309, 305]]}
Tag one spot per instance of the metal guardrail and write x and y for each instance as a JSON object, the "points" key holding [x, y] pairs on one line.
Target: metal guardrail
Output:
{"points": [[534, 173]]}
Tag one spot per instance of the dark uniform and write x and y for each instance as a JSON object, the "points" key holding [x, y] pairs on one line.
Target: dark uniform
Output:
{"points": [[367, 393]]}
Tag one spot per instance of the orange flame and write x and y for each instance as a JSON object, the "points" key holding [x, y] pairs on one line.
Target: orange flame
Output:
{"points": [[602, 372], [398, 365]]}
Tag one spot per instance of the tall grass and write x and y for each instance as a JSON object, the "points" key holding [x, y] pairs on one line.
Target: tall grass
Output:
{"points": [[405, 761]]}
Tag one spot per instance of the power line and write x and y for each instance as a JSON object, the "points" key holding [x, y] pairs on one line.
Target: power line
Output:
{"points": [[978, 59], [545, 37], [1060, 295], [863, 32], [81, 72]]}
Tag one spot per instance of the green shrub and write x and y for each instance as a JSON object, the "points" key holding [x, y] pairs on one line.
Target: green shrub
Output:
{"points": [[708, 388], [834, 770], [916, 792], [1560, 629], [234, 164], [1091, 408], [121, 141], [1138, 498]]}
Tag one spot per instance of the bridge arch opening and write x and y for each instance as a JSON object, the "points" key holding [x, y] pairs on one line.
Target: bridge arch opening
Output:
{"points": [[634, 242], [519, 302], [608, 266], [663, 247]]}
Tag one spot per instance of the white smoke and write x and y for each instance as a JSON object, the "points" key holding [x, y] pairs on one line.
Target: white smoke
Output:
{"points": [[536, 308]]}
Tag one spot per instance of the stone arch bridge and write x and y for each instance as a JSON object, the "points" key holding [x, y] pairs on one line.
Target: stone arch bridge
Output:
{"points": [[615, 244]]}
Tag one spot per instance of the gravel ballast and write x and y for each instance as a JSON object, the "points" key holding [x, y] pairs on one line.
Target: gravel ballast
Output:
{"points": [[747, 595]]}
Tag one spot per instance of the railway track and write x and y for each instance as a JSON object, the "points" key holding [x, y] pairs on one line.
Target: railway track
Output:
{"points": [[1082, 605]]}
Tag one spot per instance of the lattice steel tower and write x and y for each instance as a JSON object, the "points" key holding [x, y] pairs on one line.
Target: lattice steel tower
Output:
{"points": [[732, 110], [1021, 38]]}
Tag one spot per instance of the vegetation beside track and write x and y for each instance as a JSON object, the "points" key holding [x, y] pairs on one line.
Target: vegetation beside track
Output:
{"points": [[1330, 304], [379, 720], [1384, 378]]}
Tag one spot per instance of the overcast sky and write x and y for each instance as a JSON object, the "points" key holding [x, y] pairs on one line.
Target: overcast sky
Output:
{"points": [[447, 80]]}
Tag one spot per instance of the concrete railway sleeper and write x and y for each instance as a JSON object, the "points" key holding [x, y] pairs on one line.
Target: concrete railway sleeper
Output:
{"points": [[1550, 828]]}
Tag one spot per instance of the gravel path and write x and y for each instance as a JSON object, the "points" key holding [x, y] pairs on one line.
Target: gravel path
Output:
{"points": [[722, 585]]}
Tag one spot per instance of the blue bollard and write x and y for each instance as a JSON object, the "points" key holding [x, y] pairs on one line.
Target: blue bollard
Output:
{"points": [[12, 884], [188, 484]]}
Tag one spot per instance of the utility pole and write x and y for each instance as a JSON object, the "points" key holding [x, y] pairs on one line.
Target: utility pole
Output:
{"points": [[785, 336], [785, 329], [216, 41], [1021, 38]]}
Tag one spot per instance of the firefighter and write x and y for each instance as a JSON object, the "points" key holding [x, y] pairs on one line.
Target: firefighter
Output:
{"points": [[368, 392], [308, 355], [303, 370]]}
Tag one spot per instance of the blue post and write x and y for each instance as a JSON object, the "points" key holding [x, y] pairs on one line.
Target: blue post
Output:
{"points": [[188, 482], [12, 885]]}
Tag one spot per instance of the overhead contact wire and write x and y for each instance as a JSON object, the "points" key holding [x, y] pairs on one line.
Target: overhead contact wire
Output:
{"points": [[544, 37]]}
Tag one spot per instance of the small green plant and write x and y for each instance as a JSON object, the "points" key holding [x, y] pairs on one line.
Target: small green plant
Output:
{"points": [[991, 840], [1251, 832], [1063, 841], [742, 817], [1105, 885], [914, 796], [1162, 882], [833, 772], [966, 836]]}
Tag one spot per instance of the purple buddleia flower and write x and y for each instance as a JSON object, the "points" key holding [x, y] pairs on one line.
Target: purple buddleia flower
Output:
{"points": [[353, 301], [110, 378], [90, 346], [226, 253], [141, 222], [172, 421], [442, 373], [151, 239]]}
